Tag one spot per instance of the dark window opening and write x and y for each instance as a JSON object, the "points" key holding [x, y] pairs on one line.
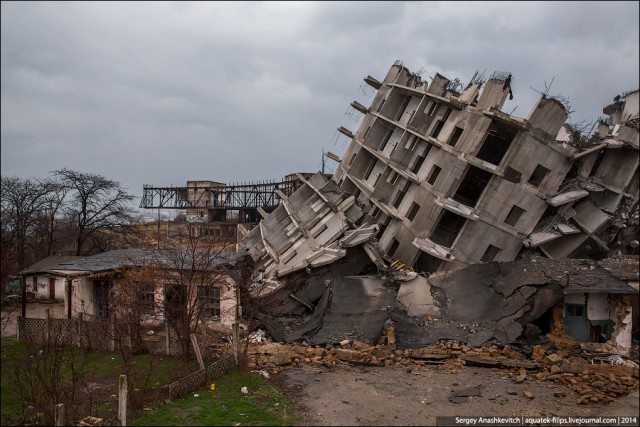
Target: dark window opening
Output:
{"points": [[102, 299], [514, 215], [405, 102], [574, 310], [437, 129], [432, 109], [418, 163], [411, 143], [433, 175], [147, 298], [353, 157], [386, 138], [381, 105], [427, 263], [384, 222], [413, 211], [498, 141], [472, 186], [455, 136], [393, 248], [538, 175], [401, 194], [597, 163], [490, 254], [369, 169], [367, 133], [447, 229], [209, 299], [375, 212]]}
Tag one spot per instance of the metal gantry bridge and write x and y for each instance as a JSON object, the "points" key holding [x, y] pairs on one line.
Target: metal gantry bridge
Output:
{"points": [[221, 197]]}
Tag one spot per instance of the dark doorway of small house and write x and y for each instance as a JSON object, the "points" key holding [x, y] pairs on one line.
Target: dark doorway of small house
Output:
{"points": [[102, 299], [52, 288], [545, 322]]}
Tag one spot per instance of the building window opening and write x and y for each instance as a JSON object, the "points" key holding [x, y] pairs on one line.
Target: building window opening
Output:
{"points": [[403, 107], [209, 299], [427, 263], [455, 136], [490, 254], [538, 176], [514, 215], [413, 211], [433, 175], [432, 108], [447, 229], [393, 248], [472, 186], [418, 163], [385, 140], [401, 194], [497, 143]]}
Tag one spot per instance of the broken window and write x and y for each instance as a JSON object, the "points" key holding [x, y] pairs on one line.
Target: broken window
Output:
{"points": [[413, 211], [393, 248], [433, 175], [490, 254], [447, 229], [538, 176], [209, 299], [498, 140], [455, 136], [401, 195], [472, 186], [514, 215]]}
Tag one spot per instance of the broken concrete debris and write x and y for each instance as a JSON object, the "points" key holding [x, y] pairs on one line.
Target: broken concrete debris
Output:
{"points": [[575, 373]]}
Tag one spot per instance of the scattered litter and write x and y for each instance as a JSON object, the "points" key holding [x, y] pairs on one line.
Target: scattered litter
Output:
{"points": [[244, 390], [151, 332], [196, 395], [265, 374], [212, 387]]}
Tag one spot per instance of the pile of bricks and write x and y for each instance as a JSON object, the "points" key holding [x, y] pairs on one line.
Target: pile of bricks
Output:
{"points": [[594, 383]]}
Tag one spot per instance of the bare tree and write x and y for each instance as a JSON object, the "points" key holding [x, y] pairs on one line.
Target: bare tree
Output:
{"points": [[22, 201], [97, 204], [191, 267]]}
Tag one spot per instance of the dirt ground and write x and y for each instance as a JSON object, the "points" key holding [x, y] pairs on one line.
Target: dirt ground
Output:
{"points": [[357, 395]]}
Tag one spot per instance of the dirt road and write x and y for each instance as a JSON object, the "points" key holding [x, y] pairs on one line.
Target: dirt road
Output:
{"points": [[399, 396]]}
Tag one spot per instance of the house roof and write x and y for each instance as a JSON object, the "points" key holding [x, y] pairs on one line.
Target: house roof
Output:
{"points": [[49, 263], [111, 260]]}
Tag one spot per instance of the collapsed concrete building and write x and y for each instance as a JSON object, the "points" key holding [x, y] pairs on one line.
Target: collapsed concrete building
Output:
{"points": [[439, 179]]}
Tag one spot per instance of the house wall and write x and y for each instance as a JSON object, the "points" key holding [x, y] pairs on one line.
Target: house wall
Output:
{"points": [[82, 297], [41, 287]]}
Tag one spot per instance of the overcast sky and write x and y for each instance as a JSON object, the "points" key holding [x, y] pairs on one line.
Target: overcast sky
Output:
{"points": [[162, 93]]}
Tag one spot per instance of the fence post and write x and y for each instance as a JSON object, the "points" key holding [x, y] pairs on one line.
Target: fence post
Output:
{"points": [[59, 414], [122, 400], [167, 338], [112, 344], [196, 349], [18, 326], [48, 336], [236, 341]]}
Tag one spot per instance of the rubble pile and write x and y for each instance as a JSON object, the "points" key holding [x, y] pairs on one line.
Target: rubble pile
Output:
{"points": [[595, 380]]}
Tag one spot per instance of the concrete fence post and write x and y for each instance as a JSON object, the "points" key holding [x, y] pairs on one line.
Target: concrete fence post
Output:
{"points": [[18, 326], [122, 400], [59, 414]]}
